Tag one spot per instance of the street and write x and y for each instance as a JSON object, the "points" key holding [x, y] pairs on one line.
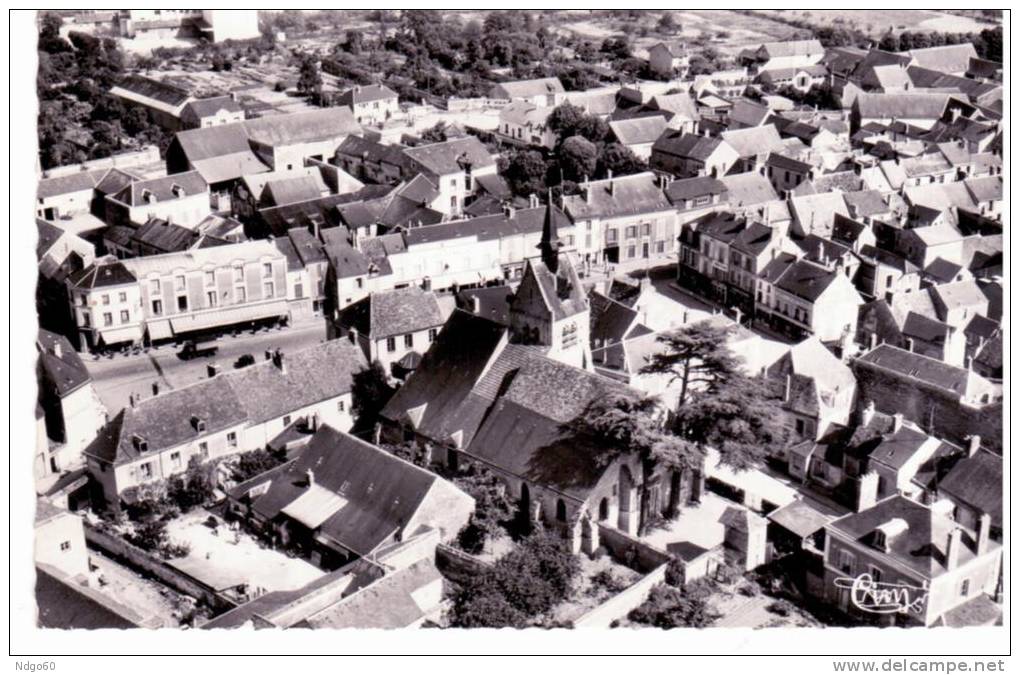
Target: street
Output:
{"points": [[118, 377]]}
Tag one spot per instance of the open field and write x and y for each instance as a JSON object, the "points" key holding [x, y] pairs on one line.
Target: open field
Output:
{"points": [[878, 21]]}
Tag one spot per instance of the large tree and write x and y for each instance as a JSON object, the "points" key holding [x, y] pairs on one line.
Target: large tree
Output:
{"points": [[718, 405], [525, 172], [577, 157], [370, 391]]}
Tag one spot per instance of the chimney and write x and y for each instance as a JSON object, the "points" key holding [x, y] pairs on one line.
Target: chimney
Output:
{"points": [[310, 477], [509, 211], [953, 544], [132, 400], [279, 361], [789, 387], [983, 534], [155, 388], [588, 193], [269, 355], [973, 444], [212, 369], [612, 183], [868, 413], [57, 350], [533, 201], [872, 340], [867, 491], [352, 335], [476, 304], [897, 422]]}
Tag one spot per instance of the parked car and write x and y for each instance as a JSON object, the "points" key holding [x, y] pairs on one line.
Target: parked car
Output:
{"points": [[244, 360]]}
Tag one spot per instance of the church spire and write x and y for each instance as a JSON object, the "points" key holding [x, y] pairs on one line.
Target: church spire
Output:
{"points": [[550, 244]]}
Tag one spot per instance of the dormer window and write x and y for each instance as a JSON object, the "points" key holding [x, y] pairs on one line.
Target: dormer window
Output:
{"points": [[177, 190], [148, 197], [140, 444], [198, 423]]}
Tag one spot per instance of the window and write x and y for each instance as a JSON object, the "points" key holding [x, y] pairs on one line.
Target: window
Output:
{"points": [[561, 510], [965, 588], [125, 316], [646, 229], [210, 299], [175, 459], [107, 319], [879, 536], [203, 449], [83, 299], [65, 546], [631, 231], [240, 294], [267, 270], [453, 182], [360, 282], [157, 308], [86, 320], [182, 303], [146, 470], [210, 278], [341, 406], [267, 289], [286, 420], [800, 427], [432, 334], [453, 202], [875, 572], [299, 291], [409, 340], [106, 299], [179, 282], [846, 562], [611, 236], [631, 251], [122, 297], [232, 439], [238, 274], [391, 344]]}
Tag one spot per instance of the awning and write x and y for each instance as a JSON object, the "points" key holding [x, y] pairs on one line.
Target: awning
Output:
{"points": [[115, 336], [314, 506], [228, 316], [159, 329]]}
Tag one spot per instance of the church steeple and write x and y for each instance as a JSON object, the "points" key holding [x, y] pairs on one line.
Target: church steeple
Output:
{"points": [[550, 244]]}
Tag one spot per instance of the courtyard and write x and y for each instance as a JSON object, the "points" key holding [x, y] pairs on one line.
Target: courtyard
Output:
{"points": [[223, 558]]}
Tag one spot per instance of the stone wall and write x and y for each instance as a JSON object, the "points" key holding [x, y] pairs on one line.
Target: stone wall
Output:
{"points": [[458, 565], [622, 603], [631, 551]]}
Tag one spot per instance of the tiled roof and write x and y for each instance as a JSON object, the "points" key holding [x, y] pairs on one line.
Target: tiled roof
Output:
{"points": [[754, 140], [794, 48], [686, 145], [945, 58], [65, 372], [159, 91], [301, 127], [251, 395], [165, 237], [162, 189], [901, 106], [375, 494], [389, 313], [639, 130], [748, 113], [922, 547], [530, 88], [690, 188], [451, 156], [72, 182], [372, 151], [748, 189], [806, 280], [922, 368], [207, 107], [638, 193], [103, 273], [49, 234], [366, 94]]}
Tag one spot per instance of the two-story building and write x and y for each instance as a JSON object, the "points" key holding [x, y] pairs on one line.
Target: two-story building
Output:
{"points": [[371, 103], [182, 199], [226, 414], [452, 166]]}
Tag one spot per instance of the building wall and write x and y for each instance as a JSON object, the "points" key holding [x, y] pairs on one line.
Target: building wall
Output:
{"points": [[376, 112], [60, 542], [84, 416], [335, 412], [64, 205], [420, 342], [98, 312], [445, 508], [232, 24]]}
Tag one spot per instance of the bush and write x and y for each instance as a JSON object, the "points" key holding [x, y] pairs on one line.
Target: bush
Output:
{"points": [[607, 581], [252, 463], [668, 607]]}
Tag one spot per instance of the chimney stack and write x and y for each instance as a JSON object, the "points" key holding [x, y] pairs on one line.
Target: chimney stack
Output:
{"points": [[155, 388], [612, 183], [897, 422], [269, 355], [973, 444], [789, 388], [983, 534], [212, 369], [352, 335], [57, 350], [868, 414], [953, 544], [867, 491], [310, 477], [533, 200], [279, 361], [476, 304]]}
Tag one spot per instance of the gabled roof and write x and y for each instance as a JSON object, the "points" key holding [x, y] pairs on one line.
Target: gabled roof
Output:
{"points": [[806, 280], [748, 189], [207, 107], [681, 104], [102, 273], [392, 313], [49, 234], [165, 237], [924, 369], [619, 196], [368, 150], [922, 546], [167, 188], [362, 495], [638, 130], [691, 188], [529, 88], [793, 48], [753, 141], [748, 113], [901, 106], [451, 156], [251, 395], [59, 363], [301, 127], [366, 94], [686, 145], [72, 182], [945, 58], [138, 87]]}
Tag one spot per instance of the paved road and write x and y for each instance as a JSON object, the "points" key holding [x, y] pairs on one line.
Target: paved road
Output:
{"points": [[117, 378]]}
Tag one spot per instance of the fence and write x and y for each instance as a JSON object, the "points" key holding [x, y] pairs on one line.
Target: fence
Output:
{"points": [[151, 566], [622, 603]]}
